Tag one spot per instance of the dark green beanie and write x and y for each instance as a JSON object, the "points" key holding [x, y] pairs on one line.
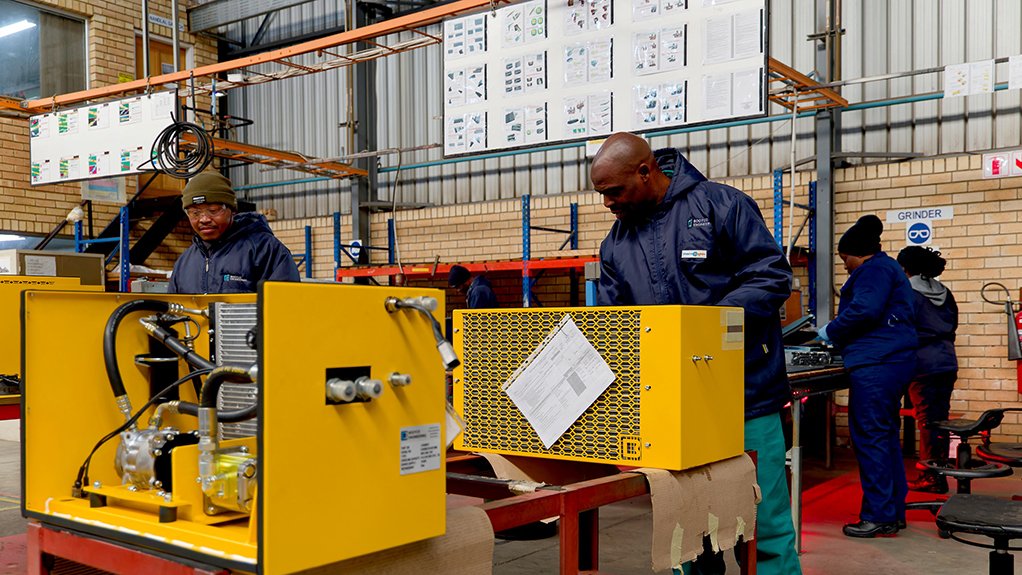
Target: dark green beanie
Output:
{"points": [[209, 188]]}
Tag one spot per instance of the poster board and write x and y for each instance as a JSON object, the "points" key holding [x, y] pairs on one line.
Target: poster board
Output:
{"points": [[102, 140], [550, 71]]}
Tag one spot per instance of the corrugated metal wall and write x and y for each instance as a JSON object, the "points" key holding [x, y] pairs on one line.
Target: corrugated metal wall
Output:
{"points": [[881, 37]]}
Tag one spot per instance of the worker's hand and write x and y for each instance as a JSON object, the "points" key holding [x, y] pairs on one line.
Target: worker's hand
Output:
{"points": [[821, 333]]}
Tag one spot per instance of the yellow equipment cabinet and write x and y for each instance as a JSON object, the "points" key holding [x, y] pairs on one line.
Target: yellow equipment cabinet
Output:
{"points": [[346, 458], [10, 312], [676, 401]]}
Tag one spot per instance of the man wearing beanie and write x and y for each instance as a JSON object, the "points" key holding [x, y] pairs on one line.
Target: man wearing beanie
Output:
{"points": [[681, 239], [230, 252], [478, 292], [875, 332]]}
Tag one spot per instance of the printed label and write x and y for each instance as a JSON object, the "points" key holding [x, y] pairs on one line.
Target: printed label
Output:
{"points": [[693, 254], [420, 448]]}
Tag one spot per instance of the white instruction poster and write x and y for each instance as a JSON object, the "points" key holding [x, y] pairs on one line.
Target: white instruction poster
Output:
{"points": [[559, 381]]}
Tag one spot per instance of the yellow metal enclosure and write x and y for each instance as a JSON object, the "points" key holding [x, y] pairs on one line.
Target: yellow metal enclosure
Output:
{"points": [[676, 401], [10, 312], [334, 480]]}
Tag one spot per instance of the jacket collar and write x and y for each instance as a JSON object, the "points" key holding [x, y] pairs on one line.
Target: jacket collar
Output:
{"points": [[684, 176]]}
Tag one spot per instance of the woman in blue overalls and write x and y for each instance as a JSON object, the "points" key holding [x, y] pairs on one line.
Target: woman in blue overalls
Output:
{"points": [[875, 333]]}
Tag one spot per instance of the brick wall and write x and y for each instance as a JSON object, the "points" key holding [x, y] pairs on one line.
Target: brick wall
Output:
{"points": [[982, 243], [111, 30]]}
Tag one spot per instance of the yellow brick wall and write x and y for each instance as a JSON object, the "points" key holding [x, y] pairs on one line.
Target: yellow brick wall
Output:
{"points": [[111, 30], [982, 243]]}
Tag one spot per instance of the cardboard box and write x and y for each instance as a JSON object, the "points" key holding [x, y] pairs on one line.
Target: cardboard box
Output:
{"points": [[87, 267]]}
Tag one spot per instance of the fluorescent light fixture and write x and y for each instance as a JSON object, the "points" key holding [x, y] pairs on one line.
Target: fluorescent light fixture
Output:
{"points": [[15, 28], [10, 238]]}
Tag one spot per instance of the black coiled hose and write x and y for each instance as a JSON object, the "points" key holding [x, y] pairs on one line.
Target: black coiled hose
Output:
{"points": [[169, 157]]}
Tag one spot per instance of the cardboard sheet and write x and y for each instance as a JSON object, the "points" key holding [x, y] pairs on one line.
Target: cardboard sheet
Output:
{"points": [[466, 549], [549, 471], [718, 500]]}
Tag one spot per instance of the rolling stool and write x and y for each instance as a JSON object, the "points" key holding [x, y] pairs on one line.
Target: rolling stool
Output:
{"points": [[965, 468], [1009, 454], [993, 517]]}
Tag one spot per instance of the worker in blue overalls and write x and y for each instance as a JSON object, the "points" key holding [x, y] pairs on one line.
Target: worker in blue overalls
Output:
{"points": [[681, 239], [875, 332]]}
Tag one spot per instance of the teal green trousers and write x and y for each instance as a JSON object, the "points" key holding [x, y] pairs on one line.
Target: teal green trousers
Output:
{"points": [[775, 533]]}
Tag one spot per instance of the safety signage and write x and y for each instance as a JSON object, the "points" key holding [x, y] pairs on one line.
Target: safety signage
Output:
{"points": [[919, 233], [920, 214], [1002, 164]]}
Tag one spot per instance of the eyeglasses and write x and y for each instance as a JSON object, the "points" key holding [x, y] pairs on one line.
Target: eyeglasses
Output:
{"points": [[195, 213]]}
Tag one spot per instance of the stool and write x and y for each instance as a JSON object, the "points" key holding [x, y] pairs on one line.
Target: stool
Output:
{"points": [[964, 469], [993, 517]]}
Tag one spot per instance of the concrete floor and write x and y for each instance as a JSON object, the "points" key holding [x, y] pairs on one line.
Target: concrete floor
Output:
{"points": [[831, 500]]}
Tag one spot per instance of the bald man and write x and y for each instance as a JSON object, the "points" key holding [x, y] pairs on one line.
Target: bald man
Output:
{"points": [[681, 239]]}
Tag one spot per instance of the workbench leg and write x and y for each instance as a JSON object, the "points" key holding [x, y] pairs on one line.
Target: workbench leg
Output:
{"points": [[569, 543], [747, 557], [35, 565], [589, 540]]}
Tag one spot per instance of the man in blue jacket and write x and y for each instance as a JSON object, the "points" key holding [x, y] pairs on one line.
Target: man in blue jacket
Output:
{"points": [[681, 239], [875, 332], [230, 252], [478, 292]]}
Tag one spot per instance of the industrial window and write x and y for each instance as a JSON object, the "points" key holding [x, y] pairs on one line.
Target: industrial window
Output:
{"points": [[43, 53]]}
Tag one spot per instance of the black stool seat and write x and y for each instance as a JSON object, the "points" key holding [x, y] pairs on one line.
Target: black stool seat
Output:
{"points": [[993, 517], [974, 471], [967, 427], [1006, 453]]}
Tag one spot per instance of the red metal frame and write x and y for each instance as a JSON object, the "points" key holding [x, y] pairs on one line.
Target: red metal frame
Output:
{"points": [[441, 270], [43, 540]]}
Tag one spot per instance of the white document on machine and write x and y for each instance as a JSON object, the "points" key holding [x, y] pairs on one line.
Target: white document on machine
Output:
{"points": [[559, 381]]}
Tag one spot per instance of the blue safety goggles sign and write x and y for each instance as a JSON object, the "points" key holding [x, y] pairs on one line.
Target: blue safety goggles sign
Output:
{"points": [[919, 233]]}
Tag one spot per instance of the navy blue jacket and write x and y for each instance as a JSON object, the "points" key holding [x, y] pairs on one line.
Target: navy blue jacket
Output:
{"points": [[875, 320], [245, 254], [480, 294], [706, 244], [936, 327]]}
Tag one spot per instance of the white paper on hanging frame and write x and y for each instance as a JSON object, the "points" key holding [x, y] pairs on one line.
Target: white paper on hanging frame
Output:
{"points": [[514, 126], [601, 114], [601, 66], [748, 34], [672, 48], [717, 40], [1015, 72], [981, 77], [536, 124], [647, 105], [746, 92], [956, 80], [716, 96]]}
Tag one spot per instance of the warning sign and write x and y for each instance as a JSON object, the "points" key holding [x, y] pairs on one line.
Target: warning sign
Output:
{"points": [[1003, 164]]}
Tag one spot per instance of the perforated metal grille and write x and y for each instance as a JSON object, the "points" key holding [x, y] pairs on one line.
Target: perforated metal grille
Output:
{"points": [[495, 344], [233, 322]]}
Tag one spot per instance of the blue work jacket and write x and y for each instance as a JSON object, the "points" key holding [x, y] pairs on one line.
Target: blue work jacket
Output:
{"points": [[875, 320], [936, 326], [706, 244], [480, 294], [236, 262]]}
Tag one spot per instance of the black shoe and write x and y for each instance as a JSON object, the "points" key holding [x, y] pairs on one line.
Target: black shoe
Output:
{"points": [[929, 483], [902, 524], [870, 529]]}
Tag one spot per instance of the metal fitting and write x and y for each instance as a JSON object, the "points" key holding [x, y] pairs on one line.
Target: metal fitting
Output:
{"points": [[340, 390], [391, 304], [400, 379], [124, 405], [368, 389]]}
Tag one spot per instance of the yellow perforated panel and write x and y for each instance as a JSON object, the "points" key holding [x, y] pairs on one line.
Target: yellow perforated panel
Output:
{"points": [[676, 401], [495, 344]]}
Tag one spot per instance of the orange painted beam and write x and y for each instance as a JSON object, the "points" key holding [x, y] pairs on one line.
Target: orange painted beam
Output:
{"points": [[399, 24]]}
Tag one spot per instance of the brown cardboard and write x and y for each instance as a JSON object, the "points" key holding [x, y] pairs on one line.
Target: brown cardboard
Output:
{"points": [[466, 549], [718, 500]]}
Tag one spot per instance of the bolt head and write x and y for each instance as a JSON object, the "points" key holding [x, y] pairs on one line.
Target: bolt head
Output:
{"points": [[132, 488], [648, 387], [648, 329], [211, 510], [97, 484], [649, 445]]}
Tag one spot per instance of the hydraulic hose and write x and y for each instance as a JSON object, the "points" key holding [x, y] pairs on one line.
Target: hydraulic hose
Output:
{"points": [[113, 372], [189, 408], [220, 375], [164, 336]]}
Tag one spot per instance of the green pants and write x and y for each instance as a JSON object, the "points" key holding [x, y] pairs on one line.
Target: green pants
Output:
{"points": [[775, 533]]}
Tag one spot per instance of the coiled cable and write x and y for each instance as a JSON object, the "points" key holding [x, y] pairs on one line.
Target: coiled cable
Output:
{"points": [[182, 162]]}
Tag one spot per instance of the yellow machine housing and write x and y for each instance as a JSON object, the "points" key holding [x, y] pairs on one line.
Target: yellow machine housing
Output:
{"points": [[676, 401], [332, 479], [10, 311]]}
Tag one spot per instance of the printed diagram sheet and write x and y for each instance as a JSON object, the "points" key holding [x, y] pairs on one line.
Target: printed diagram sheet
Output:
{"points": [[559, 381]]}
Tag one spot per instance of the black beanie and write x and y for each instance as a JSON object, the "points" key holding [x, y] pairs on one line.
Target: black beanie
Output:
{"points": [[458, 275], [863, 238]]}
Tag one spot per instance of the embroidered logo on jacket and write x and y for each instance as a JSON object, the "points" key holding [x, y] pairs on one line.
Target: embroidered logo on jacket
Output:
{"points": [[698, 223]]}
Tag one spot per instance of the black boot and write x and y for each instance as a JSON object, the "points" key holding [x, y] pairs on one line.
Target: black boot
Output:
{"points": [[867, 529]]}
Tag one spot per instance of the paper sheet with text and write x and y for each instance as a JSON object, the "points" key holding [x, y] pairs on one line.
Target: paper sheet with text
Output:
{"points": [[559, 381]]}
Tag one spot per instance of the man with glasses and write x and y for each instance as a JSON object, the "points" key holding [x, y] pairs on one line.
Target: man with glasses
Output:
{"points": [[230, 251]]}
